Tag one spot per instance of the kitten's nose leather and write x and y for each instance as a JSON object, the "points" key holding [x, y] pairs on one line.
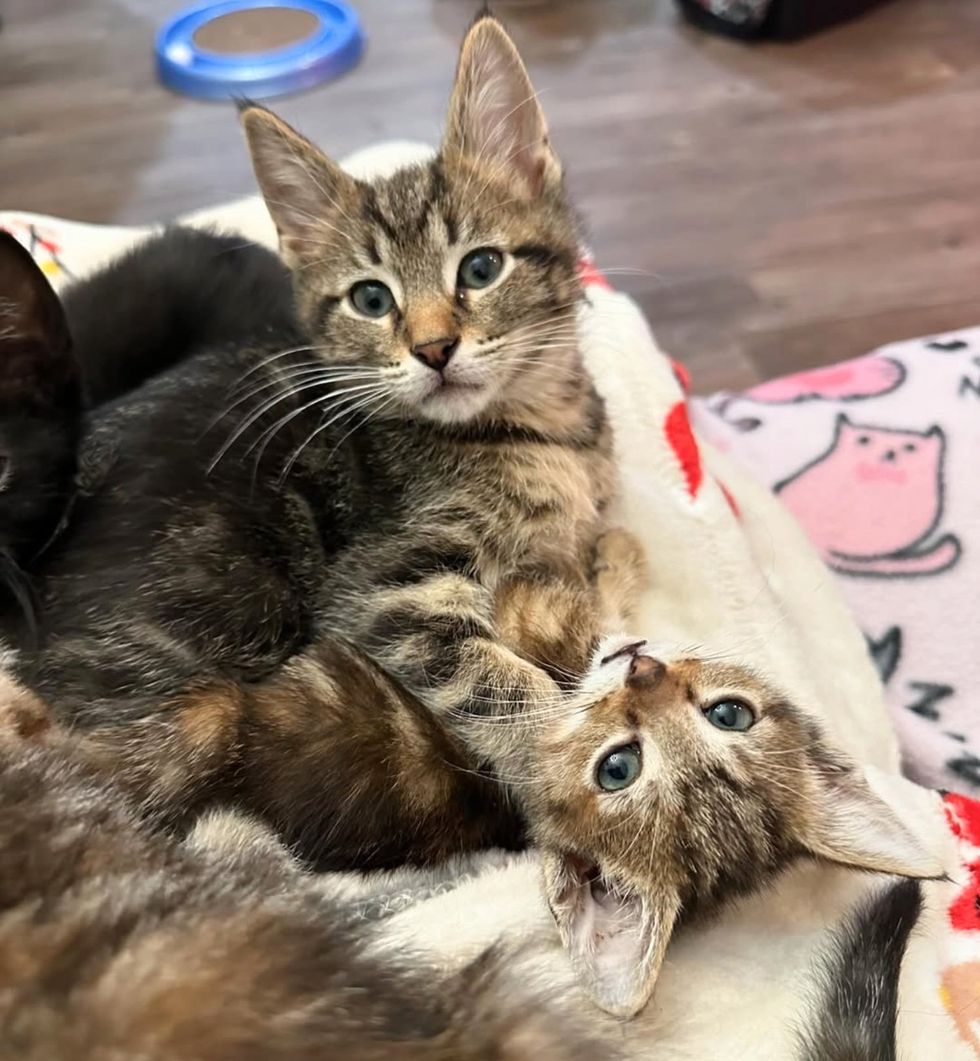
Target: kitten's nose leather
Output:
{"points": [[645, 670], [436, 352]]}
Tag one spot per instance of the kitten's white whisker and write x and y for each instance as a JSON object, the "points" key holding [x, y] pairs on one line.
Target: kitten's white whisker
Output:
{"points": [[275, 357], [285, 379], [329, 401]]}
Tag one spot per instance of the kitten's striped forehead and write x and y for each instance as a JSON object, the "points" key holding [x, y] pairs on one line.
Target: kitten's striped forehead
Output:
{"points": [[414, 205]]}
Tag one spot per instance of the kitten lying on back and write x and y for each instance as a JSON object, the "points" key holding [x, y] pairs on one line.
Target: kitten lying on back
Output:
{"points": [[676, 785], [116, 941]]}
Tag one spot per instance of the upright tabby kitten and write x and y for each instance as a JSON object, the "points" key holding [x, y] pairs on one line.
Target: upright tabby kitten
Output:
{"points": [[446, 297], [335, 508]]}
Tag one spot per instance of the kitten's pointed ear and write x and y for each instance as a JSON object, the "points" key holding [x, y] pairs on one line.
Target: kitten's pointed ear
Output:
{"points": [[853, 826], [616, 943], [302, 188], [494, 115], [37, 367]]}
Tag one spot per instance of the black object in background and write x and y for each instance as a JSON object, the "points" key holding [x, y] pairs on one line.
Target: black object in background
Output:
{"points": [[773, 19]]}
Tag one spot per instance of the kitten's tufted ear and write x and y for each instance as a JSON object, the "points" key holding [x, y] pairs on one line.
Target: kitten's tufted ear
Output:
{"points": [[851, 825], [302, 188], [38, 371], [616, 942], [494, 115]]}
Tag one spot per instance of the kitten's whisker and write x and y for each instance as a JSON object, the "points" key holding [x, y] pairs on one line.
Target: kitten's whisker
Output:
{"points": [[293, 413], [252, 418], [349, 410], [275, 357], [371, 416], [287, 379], [257, 415], [328, 401]]}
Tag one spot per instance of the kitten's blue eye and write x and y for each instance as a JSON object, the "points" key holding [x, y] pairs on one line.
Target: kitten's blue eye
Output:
{"points": [[730, 714], [480, 268], [619, 769], [372, 298]]}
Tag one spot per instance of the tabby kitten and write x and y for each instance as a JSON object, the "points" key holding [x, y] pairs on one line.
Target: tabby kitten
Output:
{"points": [[448, 293], [425, 442], [118, 941], [675, 785]]}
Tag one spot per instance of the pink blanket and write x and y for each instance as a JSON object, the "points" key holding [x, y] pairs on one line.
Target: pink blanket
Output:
{"points": [[879, 459]]}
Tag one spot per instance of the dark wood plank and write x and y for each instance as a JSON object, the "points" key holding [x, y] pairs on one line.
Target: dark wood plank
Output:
{"points": [[771, 207]]}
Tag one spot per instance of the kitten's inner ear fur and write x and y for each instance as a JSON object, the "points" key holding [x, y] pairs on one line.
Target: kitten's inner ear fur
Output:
{"points": [[494, 116], [616, 943], [851, 825], [302, 188]]}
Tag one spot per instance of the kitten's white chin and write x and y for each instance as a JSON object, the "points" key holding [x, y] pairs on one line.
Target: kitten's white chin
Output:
{"points": [[455, 403]]}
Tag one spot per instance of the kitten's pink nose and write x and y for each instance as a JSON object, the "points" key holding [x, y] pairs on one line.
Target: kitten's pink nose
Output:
{"points": [[436, 352], [645, 670]]}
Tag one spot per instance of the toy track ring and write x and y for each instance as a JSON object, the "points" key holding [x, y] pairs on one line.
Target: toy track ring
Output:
{"points": [[223, 49]]}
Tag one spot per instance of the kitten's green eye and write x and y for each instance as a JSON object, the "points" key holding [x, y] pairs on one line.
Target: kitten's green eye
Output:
{"points": [[480, 268], [730, 714], [619, 769], [371, 298]]}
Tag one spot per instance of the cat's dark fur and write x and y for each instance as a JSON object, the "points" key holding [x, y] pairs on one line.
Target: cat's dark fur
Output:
{"points": [[231, 519], [40, 421], [142, 313], [118, 941], [859, 977]]}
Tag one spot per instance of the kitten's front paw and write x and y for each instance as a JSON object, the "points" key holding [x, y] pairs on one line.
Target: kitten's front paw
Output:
{"points": [[617, 552], [621, 574]]}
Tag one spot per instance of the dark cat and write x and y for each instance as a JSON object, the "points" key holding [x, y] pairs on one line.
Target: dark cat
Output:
{"points": [[243, 507], [40, 420], [144, 312], [116, 941]]}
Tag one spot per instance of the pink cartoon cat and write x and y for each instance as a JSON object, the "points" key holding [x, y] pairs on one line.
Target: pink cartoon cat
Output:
{"points": [[872, 500]]}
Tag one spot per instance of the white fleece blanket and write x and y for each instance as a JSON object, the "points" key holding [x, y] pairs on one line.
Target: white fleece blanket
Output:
{"points": [[732, 574]]}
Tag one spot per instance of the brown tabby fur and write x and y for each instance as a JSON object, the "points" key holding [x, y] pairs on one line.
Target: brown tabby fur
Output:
{"points": [[516, 485], [218, 622], [118, 942], [392, 786], [713, 815]]}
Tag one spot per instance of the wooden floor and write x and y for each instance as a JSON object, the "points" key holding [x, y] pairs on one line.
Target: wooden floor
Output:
{"points": [[771, 207]]}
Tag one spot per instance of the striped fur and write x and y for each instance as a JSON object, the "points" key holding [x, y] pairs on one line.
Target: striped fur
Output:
{"points": [[289, 529], [118, 942], [712, 815]]}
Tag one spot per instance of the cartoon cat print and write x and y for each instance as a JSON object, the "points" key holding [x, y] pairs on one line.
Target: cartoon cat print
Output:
{"points": [[873, 500], [861, 377]]}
